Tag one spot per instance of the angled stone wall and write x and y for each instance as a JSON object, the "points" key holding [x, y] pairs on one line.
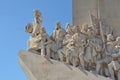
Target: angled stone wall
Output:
{"points": [[37, 67]]}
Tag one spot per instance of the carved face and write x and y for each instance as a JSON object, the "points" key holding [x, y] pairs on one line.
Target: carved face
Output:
{"points": [[110, 37], [118, 41], [67, 25], [90, 32], [37, 14], [58, 25], [84, 28], [72, 43], [83, 42], [43, 30], [75, 29], [68, 30]]}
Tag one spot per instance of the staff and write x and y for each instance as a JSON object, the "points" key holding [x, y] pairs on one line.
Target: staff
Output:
{"points": [[100, 25]]}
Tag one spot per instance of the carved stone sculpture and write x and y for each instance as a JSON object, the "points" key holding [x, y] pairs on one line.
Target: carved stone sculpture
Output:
{"points": [[66, 41], [58, 35], [72, 54], [114, 65], [37, 22], [92, 47], [110, 48]]}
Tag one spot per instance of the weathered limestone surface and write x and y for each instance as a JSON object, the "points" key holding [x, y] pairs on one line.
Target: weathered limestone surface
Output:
{"points": [[109, 10], [37, 67]]}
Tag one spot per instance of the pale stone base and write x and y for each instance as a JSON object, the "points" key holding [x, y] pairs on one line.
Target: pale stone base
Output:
{"points": [[40, 68]]}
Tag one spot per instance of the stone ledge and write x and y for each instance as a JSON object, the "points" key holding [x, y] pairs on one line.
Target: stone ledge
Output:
{"points": [[40, 68]]}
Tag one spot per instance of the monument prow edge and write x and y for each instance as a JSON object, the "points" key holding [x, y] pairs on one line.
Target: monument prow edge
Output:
{"points": [[27, 71], [37, 67]]}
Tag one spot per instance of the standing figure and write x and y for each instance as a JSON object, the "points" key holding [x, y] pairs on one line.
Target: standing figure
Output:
{"points": [[34, 29], [66, 41], [114, 65], [82, 53], [79, 42], [58, 35], [42, 43], [110, 48], [72, 55], [45, 43], [37, 22], [89, 50]]}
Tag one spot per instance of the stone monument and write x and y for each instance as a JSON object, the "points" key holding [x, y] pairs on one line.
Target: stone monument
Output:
{"points": [[86, 50]]}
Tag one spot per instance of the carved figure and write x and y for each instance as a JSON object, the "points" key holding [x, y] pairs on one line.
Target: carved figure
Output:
{"points": [[37, 22], [66, 40], [82, 54], [114, 65], [32, 41], [72, 54], [90, 52], [45, 43], [110, 48], [114, 68], [58, 35], [79, 42]]}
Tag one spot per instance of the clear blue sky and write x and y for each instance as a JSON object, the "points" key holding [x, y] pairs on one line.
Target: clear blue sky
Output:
{"points": [[14, 15]]}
